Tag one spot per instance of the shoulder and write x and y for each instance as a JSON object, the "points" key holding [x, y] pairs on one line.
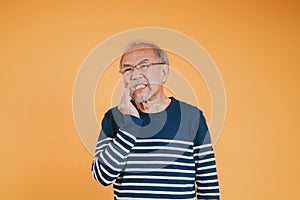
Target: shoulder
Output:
{"points": [[198, 123], [114, 114], [110, 112], [112, 118], [189, 109]]}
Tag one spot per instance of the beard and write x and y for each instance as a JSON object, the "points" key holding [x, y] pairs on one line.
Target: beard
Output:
{"points": [[142, 98]]}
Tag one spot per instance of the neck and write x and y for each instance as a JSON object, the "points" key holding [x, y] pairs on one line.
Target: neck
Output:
{"points": [[155, 104]]}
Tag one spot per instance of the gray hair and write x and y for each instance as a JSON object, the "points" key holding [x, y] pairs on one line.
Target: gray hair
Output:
{"points": [[140, 44]]}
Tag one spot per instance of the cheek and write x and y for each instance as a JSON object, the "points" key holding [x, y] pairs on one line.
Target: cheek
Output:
{"points": [[154, 77], [126, 81]]}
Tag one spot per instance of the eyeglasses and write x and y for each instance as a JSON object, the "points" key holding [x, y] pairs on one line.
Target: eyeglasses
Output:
{"points": [[128, 69]]}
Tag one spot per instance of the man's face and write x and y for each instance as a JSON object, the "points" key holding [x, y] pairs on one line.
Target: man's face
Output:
{"points": [[144, 81]]}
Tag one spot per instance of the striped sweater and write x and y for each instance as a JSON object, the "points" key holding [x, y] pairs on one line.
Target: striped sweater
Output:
{"points": [[165, 155]]}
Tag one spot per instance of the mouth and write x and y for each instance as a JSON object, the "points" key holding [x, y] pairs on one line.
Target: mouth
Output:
{"points": [[139, 87]]}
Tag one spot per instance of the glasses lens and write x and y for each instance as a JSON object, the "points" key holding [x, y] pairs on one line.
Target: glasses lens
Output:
{"points": [[126, 70], [144, 66]]}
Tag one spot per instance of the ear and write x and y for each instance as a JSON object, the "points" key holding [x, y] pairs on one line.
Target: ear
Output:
{"points": [[165, 73]]}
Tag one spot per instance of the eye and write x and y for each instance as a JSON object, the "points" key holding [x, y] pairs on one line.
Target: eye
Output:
{"points": [[145, 65], [127, 69]]}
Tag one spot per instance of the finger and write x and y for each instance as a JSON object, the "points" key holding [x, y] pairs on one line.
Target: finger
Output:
{"points": [[126, 92]]}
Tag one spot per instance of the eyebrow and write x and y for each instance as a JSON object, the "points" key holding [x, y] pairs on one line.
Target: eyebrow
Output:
{"points": [[129, 65]]}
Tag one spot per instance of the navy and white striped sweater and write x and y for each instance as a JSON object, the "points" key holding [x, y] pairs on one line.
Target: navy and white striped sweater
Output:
{"points": [[157, 156]]}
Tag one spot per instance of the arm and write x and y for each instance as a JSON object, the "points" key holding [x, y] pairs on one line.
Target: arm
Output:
{"points": [[113, 148], [206, 173], [114, 144]]}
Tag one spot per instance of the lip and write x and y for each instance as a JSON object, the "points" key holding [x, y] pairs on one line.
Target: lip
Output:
{"points": [[139, 87]]}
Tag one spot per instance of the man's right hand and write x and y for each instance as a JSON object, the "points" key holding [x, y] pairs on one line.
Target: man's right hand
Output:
{"points": [[125, 106]]}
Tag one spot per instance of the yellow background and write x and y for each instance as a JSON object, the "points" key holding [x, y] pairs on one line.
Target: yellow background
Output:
{"points": [[255, 45]]}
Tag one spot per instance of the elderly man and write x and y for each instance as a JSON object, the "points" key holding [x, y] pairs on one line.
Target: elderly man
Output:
{"points": [[152, 146]]}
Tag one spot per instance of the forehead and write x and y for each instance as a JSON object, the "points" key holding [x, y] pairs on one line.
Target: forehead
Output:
{"points": [[137, 55]]}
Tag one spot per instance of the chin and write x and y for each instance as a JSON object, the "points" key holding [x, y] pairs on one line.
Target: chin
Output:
{"points": [[142, 98]]}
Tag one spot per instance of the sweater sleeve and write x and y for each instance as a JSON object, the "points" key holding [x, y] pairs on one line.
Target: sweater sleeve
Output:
{"points": [[113, 148], [207, 185]]}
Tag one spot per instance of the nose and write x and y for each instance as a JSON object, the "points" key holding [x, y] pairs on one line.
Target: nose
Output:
{"points": [[136, 74]]}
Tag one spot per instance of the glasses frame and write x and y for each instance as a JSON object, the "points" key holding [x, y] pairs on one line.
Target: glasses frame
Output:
{"points": [[139, 67]]}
